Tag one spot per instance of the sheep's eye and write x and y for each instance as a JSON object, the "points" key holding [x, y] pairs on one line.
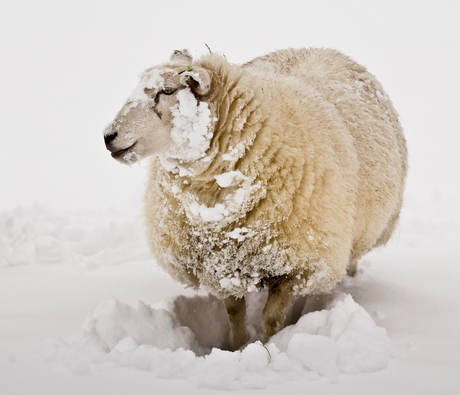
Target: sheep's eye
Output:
{"points": [[166, 91]]}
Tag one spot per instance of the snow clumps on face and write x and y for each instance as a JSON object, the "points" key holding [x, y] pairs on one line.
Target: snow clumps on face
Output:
{"points": [[191, 123], [131, 158], [338, 338], [149, 79]]}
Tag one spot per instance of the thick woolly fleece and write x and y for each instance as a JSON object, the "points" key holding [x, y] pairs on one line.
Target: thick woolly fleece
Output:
{"points": [[303, 175]]}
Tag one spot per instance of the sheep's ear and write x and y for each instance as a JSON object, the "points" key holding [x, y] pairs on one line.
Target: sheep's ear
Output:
{"points": [[181, 56], [199, 80]]}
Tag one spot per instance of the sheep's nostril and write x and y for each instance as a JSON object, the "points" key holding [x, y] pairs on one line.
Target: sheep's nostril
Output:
{"points": [[108, 138]]}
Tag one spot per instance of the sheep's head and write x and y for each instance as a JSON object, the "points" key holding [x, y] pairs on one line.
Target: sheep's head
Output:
{"points": [[165, 114]]}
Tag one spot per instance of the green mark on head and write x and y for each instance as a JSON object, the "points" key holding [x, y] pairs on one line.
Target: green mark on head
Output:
{"points": [[189, 68]]}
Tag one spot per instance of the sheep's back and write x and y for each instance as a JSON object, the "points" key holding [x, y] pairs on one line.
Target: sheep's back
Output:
{"points": [[365, 108]]}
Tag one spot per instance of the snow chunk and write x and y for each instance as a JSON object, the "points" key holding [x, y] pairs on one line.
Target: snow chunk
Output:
{"points": [[211, 214], [240, 195], [240, 233], [236, 233], [195, 209], [267, 248], [172, 165], [235, 281], [226, 179], [341, 338], [208, 214], [225, 282]]}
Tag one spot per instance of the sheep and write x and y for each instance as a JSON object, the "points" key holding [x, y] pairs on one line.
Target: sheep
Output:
{"points": [[281, 172]]}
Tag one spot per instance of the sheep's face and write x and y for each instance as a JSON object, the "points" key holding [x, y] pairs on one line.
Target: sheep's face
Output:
{"points": [[150, 122]]}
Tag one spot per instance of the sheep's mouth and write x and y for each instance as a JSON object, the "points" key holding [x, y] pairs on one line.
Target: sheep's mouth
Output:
{"points": [[120, 153]]}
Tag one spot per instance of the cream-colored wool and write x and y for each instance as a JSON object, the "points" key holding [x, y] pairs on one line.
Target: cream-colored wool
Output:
{"points": [[316, 160]]}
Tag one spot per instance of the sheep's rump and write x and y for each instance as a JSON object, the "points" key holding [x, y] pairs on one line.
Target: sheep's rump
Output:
{"points": [[321, 162]]}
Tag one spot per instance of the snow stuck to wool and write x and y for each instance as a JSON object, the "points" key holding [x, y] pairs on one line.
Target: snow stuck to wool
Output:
{"points": [[187, 338], [231, 205], [191, 124], [208, 214], [197, 211], [228, 179]]}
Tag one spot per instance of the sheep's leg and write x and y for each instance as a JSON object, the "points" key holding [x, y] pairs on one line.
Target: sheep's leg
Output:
{"points": [[236, 311], [278, 302], [352, 268]]}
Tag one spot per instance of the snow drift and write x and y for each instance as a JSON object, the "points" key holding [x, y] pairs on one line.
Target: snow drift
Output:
{"points": [[183, 340]]}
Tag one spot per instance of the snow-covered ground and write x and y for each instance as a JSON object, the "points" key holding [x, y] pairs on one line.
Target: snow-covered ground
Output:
{"points": [[85, 310]]}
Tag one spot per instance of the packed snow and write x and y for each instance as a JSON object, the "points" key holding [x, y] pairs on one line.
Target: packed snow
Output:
{"points": [[338, 336]]}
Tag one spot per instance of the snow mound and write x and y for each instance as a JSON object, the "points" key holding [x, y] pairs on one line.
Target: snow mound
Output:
{"points": [[188, 339]]}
